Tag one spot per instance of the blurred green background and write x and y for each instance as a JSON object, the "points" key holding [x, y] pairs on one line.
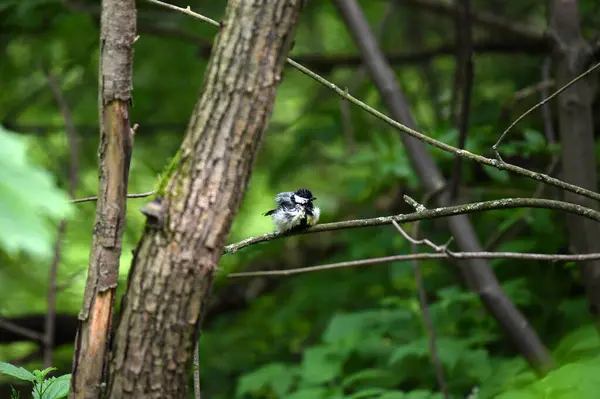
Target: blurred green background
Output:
{"points": [[347, 333]]}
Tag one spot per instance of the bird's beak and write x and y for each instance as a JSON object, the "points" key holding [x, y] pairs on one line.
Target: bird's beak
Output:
{"points": [[313, 198]]}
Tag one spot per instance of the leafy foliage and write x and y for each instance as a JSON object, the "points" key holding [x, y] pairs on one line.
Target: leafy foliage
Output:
{"points": [[43, 388], [348, 333], [28, 200]]}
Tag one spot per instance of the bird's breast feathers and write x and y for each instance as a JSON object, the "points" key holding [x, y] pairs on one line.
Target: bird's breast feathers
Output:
{"points": [[314, 218]]}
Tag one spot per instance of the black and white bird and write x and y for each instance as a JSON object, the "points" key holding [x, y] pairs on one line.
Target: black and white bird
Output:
{"points": [[295, 210]]}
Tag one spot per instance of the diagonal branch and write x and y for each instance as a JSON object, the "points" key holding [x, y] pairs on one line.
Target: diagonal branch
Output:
{"points": [[544, 101], [506, 203], [412, 132]]}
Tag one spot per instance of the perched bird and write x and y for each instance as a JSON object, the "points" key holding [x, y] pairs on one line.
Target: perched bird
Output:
{"points": [[295, 210]]}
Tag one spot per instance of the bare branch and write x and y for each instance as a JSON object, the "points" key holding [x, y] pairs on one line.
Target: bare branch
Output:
{"points": [[544, 101], [496, 163], [95, 198], [423, 256], [187, 11], [496, 240], [507, 203]]}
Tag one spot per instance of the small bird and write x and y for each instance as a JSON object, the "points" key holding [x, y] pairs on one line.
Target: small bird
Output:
{"points": [[295, 210]]}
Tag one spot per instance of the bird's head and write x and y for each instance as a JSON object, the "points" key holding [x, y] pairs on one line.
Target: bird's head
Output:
{"points": [[303, 196]]}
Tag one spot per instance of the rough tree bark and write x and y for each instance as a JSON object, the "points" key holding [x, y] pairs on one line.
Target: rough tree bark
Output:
{"points": [[174, 264], [118, 25], [576, 130], [478, 274]]}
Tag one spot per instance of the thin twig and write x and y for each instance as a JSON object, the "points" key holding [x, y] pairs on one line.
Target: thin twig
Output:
{"points": [[497, 163], [90, 199], [507, 203], [72, 138], [187, 11], [432, 338], [536, 106], [512, 231], [496, 240], [424, 256]]}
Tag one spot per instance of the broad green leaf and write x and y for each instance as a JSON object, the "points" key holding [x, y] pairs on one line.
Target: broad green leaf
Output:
{"points": [[393, 395], [375, 376], [279, 377], [40, 375], [17, 372], [368, 393], [54, 387], [320, 364], [28, 199], [310, 393], [535, 140], [581, 341]]}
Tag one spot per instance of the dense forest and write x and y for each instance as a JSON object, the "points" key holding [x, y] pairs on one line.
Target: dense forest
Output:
{"points": [[451, 148]]}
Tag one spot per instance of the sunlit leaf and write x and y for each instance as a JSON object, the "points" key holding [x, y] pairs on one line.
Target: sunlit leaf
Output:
{"points": [[29, 198]]}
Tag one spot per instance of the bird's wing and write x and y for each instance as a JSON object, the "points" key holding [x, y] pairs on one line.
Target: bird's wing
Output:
{"points": [[284, 198]]}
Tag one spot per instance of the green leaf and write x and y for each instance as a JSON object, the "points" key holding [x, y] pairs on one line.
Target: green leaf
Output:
{"points": [[28, 199], [279, 377], [368, 393], [377, 376], [584, 340], [40, 375], [17, 372], [414, 348], [535, 140], [393, 395], [320, 364], [310, 393], [54, 388]]}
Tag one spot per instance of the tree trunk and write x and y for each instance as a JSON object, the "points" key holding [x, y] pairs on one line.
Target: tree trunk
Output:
{"points": [[118, 25], [478, 274], [174, 264], [576, 130]]}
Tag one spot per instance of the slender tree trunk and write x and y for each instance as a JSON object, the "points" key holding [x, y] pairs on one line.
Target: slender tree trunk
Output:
{"points": [[174, 264], [477, 272], [118, 25], [576, 130]]}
